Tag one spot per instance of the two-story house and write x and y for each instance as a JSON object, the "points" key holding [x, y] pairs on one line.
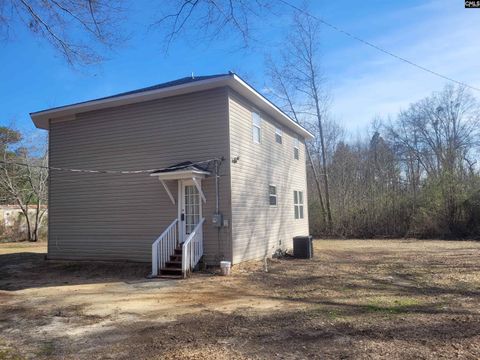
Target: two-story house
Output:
{"points": [[197, 167]]}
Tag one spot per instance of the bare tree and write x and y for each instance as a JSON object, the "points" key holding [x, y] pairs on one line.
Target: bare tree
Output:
{"points": [[37, 177], [213, 18], [441, 133], [78, 29], [83, 30], [285, 92], [301, 71], [23, 178], [445, 128]]}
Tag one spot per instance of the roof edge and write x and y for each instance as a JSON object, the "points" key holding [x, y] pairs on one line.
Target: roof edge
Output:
{"points": [[275, 111], [41, 119]]}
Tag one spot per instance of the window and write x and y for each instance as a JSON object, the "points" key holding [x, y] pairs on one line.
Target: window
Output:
{"points": [[296, 148], [256, 127], [272, 195], [278, 135], [298, 204]]}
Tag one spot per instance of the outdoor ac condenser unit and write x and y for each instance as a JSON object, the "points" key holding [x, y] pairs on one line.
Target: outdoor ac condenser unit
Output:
{"points": [[303, 247]]}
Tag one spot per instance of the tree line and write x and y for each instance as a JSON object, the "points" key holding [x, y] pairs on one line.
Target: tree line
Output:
{"points": [[416, 175]]}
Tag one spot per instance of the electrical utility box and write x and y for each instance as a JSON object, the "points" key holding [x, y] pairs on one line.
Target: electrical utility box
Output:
{"points": [[217, 220]]}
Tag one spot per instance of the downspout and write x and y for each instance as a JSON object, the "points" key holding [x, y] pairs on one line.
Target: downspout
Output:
{"points": [[217, 207], [216, 188]]}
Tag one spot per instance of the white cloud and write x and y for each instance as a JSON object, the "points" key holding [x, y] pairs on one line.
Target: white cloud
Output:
{"points": [[375, 84]]}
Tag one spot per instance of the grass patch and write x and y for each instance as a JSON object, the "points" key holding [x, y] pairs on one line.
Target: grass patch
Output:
{"points": [[332, 314], [397, 306], [47, 348], [7, 353]]}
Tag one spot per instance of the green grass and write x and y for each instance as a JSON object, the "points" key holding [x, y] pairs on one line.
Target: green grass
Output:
{"points": [[333, 314], [46, 349], [397, 306], [7, 353]]}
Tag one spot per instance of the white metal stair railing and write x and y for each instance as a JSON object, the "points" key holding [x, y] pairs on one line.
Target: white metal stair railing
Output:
{"points": [[192, 249], [164, 246]]}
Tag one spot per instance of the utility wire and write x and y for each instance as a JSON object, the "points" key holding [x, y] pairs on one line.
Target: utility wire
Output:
{"points": [[106, 171], [368, 43]]}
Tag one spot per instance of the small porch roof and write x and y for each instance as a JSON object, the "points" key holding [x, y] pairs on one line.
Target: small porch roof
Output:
{"points": [[181, 171], [184, 170]]}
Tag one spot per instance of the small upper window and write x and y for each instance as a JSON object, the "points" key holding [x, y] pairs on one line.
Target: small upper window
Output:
{"points": [[296, 148], [298, 204], [278, 135], [272, 194], [256, 127]]}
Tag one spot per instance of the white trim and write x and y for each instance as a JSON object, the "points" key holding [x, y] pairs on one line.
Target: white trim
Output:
{"points": [[167, 190], [296, 146], [181, 234], [198, 185], [299, 205], [181, 174], [41, 118], [279, 132], [164, 246], [181, 205], [256, 126], [259, 100], [274, 195]]}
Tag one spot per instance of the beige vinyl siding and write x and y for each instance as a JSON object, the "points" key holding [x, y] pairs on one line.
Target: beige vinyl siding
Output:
{"points": [[117, 217], [258, 229]]}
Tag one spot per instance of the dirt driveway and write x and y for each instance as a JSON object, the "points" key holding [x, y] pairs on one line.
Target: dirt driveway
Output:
{"points": [[394, 299]]}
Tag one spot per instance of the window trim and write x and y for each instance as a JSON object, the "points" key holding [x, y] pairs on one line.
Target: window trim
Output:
{"points": [[256, 127], [296, 148], [279, 133], [298, 205], [270, 195]]}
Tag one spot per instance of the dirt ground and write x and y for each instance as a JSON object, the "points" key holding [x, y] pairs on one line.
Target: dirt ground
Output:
{"points": [[359, 299]]}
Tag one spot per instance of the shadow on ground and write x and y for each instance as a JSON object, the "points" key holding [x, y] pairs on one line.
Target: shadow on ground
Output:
{"points": [[289, 335], [25, 270], [354, 300]]}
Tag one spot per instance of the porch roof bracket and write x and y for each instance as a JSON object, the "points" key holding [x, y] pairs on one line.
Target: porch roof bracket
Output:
{"points": [[199, 188], [168, 191]]}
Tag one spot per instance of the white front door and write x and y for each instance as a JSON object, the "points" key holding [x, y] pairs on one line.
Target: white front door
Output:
{"points": [[190, 207]]}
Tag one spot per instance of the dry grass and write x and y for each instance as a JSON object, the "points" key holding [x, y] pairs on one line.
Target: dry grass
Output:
{"points": [[394, 299]]}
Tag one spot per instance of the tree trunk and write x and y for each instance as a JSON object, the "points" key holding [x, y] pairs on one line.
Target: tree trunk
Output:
{"points": [[27, 220], [317, 183], [324, 168], [37, 217]]}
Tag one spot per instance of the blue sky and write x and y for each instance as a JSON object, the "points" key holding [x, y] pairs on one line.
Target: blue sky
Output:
{"points": [[441, 35]]}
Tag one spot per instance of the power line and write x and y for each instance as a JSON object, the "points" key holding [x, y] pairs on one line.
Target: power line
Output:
{"points": [[121, 172], [368, 43]]}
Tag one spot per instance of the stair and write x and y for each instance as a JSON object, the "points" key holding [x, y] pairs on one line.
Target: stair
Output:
{"points": [[173, 268]]}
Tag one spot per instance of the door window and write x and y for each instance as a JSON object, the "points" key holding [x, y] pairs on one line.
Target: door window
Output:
{"points": [[192, 208]]}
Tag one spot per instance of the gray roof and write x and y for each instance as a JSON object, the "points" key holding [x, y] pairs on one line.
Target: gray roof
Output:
{"points": [[186, 165], [185, 80], [179, 86]]}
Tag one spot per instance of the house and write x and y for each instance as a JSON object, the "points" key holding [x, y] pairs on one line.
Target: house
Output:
{"points": [[200, 166], [13, 224]]}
